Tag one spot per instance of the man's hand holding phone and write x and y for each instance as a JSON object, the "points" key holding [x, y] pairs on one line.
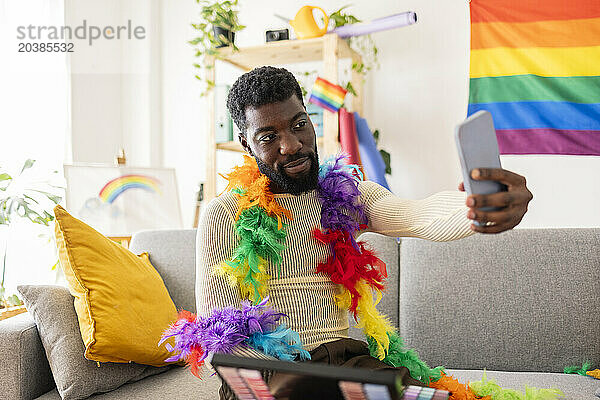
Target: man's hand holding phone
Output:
{"points": [[512, 203]]}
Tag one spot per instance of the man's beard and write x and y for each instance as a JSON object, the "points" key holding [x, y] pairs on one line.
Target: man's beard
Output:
{"points": [[294, 186]]}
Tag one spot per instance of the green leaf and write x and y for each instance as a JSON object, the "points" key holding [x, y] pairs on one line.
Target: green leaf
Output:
{"points": [[5, 177], [14, 301], [28, 164], [350, 89], [2, 292], [387, 161], [376, 135]]}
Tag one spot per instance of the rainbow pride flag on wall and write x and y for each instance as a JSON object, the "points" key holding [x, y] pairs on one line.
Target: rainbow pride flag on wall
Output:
{"points": [[535, 65], [327, 95]]}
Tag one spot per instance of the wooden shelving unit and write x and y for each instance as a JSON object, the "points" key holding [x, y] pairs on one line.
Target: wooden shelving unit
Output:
{"points": [[328, 49]]}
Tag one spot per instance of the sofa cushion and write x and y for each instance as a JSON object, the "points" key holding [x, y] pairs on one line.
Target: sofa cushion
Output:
{"points": [[386, 248], [524, 300], [76, 378], [575, 387], [178, 383], [24, 369], [173, 254], [121, 301]]}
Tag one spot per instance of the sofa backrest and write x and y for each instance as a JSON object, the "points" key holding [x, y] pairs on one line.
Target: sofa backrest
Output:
{"points": [[523, 300], [173, 254], [386, 248]]}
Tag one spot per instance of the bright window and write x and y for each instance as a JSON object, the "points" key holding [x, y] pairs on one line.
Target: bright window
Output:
{"points": [[34, 124]]}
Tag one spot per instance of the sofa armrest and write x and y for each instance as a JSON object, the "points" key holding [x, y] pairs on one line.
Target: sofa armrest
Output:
{"points": [[24, 370]]}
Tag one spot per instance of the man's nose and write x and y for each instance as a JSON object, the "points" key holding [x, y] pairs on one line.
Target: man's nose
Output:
{"points": [[289, 144]]}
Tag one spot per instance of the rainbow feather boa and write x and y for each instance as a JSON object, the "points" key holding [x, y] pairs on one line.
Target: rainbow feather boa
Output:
{"points": [[360, 274]]}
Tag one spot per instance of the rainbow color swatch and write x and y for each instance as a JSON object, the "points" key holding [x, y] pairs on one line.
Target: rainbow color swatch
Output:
{"points": [[117, 186], [535, 66], [327, 95]]}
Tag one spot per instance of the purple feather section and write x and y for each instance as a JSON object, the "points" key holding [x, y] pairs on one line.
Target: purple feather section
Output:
{"points": [[186, 331], [339, 194], [223, 330]]}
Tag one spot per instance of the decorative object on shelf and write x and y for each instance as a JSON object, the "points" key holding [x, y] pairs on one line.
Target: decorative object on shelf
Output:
{"points": [[277, 35], [349, 137], [327, 95], [315, 114], [373, 161], [223, 122], [118, 200], [363, 45], [217, 29], [121, 159], [25, 197], [377, 25], [199, 201], [304, 23]]}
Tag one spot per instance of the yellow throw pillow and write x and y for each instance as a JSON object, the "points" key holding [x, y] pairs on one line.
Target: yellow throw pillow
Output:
{"points": [[121, 301]]}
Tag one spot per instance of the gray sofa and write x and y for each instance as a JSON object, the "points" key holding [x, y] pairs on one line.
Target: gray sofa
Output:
{"points": [[523, 305]]}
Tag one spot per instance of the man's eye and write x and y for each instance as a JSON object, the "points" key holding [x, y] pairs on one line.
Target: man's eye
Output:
{"points": [[300, 124], [267, 138]]}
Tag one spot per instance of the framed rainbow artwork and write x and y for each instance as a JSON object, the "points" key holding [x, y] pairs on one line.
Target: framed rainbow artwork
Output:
{"points": [[118, 201], [535, 66]]}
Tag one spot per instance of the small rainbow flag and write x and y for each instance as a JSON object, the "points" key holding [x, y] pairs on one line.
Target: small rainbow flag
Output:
{"points": [[535, 65], [115, 187], [327, 95]]}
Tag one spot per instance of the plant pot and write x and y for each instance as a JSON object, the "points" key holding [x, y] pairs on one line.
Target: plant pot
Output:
{"points": [[218, 31]]}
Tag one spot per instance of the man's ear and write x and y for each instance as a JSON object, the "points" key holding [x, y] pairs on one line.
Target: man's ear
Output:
{"points": [[244, 142]]}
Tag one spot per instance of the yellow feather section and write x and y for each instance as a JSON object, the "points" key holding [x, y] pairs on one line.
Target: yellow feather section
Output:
{"points": [[372, 323], [594, 373], [238, 277]]}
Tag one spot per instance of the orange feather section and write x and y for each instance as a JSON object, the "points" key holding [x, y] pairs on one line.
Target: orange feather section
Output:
{"points": [[458, 391], [194, 361], [257, 191]]}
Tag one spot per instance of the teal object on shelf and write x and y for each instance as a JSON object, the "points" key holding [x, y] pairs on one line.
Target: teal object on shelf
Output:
{"points": [[223, 122], [316, 116]]}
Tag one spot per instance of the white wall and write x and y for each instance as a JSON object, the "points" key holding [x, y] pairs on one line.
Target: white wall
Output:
{"points": [[416, 98], [115, 84]]}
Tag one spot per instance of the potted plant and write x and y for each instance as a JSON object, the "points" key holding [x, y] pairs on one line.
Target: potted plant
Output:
{"points": [[27, 199], [364, 45], [217, 29]]}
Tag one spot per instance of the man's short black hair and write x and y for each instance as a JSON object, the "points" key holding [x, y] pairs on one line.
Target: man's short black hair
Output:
{"points": [[262, 85]]}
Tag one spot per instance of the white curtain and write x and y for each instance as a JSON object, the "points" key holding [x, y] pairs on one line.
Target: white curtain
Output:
{"points": [[34, 124]]}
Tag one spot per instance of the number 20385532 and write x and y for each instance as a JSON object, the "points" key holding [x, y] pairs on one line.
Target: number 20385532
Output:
{"points": [[46, 47]]}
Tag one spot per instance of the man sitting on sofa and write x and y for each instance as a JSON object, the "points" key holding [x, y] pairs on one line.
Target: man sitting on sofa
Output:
{"points": [[267, 107]]}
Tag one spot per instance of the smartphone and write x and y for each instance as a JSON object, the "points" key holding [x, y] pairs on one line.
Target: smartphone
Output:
{"points": [[478, 148]]}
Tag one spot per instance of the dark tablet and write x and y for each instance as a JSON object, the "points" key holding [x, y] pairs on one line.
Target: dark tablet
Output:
{"points": [[295, 381]]}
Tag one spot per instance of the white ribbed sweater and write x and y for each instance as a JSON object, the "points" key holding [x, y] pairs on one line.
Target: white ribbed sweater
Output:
{"points": [[307, 298]]}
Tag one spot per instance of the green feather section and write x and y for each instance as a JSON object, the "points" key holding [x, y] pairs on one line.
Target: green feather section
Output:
{"points": [[579, 370], [259, 237], [490, 388], [398, 356]]}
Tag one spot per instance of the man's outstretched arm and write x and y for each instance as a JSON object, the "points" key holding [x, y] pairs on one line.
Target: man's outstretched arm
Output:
{"points": [[440, 217], [447, 215]]}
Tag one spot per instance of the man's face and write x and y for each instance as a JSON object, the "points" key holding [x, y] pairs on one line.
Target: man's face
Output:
{"points": [[281, 138]]}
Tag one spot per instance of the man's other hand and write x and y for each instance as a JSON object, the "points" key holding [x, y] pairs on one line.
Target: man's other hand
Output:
{"points": [[512, 204]]}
